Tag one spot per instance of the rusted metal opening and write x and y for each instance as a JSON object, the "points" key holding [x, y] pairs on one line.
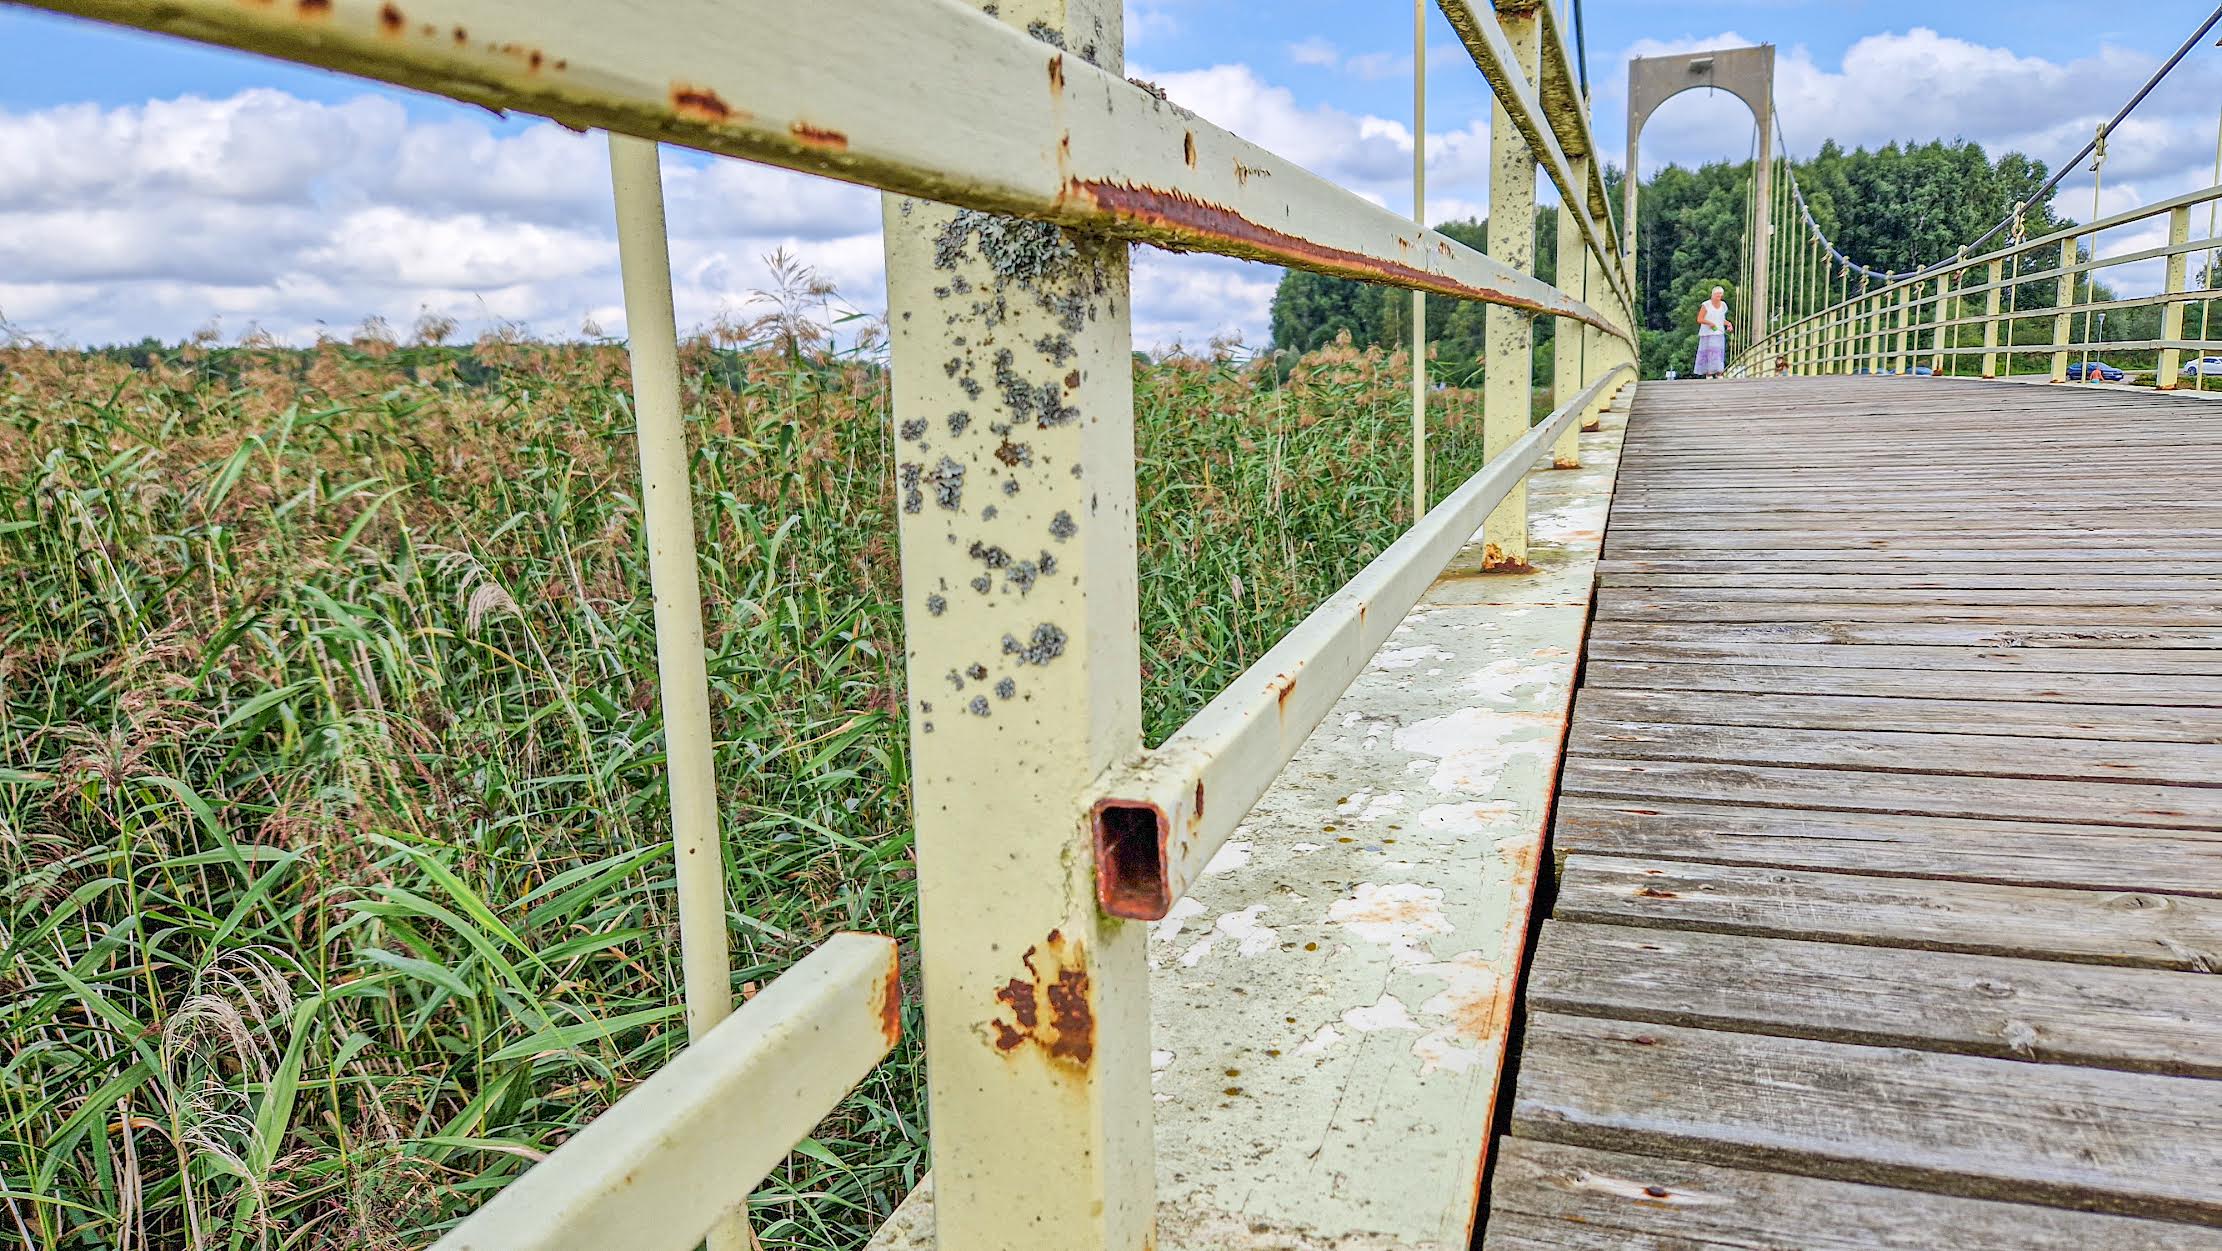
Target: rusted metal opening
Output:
{"points": [[1131, 843]]}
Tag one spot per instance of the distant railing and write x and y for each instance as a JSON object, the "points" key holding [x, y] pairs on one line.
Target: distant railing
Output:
{"points": [[1913, 325], [1018, 161]]}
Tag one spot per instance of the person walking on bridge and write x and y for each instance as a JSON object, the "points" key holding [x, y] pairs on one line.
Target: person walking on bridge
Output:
{"points": [[1713, 329]]}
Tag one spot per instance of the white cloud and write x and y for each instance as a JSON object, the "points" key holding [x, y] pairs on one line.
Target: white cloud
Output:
{"points": [[292, 215]]}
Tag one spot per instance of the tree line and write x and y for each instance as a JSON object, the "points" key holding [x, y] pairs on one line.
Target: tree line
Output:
{"points": [[1894, 208]]}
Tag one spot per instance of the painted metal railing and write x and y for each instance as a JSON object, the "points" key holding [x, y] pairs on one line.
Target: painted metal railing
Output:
{"points": [[1915, 324], [1019, 162]]}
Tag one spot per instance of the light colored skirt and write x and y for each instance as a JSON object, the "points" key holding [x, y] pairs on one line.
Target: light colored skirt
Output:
{"points": [[1712, 354]]}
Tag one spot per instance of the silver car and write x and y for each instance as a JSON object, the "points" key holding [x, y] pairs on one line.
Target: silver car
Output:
{"points": [[2204, 367]]}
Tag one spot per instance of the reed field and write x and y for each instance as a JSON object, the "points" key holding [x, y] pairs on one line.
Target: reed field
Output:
{"points": [[333, 889]]}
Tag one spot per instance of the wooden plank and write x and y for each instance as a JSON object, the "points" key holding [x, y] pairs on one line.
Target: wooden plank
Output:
{"points": [[2025, 853], [1908, 556], [2136, 1020], [2134, 1143], [2065, 657], [1973, 755], [2116, 722], [2092, 927], [1778, 576], [1851, 790], [2162, 690], [1547, 1195], [2187, 605]]}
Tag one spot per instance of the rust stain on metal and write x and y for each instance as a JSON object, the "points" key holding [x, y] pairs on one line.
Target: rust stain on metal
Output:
{"points": [[700, 104], [1565, 462], [391, 19], [1057, 72], [1493, 560], [462, 36], [1198, 814], [1280, 687], [1188, 148], [315, 8], [1051, 1007], [1133, 853], [891, 1003], [1170, 217], [1653, 892], [820, 137]]}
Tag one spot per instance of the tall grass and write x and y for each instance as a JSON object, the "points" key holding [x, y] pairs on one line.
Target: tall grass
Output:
{"points": [[331, 800]]}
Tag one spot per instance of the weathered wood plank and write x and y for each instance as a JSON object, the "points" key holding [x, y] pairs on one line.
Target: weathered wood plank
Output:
{"points": [[2133, 1143], [1896, 751], [2067, 658], [2138, 1020], [1731, 675], [2093, 927], [2013, 853], [1850, 790], [1547, 1195], [2114, 722]]}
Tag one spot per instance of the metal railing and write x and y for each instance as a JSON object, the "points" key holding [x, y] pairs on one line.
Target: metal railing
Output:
{"points": [[1019, 161], [1918, 323]]}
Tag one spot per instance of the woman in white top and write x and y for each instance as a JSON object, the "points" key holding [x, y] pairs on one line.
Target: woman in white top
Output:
{"points": [[1713, 328]]}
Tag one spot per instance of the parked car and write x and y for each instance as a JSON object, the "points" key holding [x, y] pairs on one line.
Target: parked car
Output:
{"points": [[2103, 371], [2204, 367]]}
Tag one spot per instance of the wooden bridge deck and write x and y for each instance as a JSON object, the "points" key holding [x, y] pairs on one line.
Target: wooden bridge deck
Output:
{"points": [[1890, 903]]}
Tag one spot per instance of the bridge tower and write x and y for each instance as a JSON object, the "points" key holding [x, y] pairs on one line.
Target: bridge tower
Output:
{"points": [[1749, 75]]}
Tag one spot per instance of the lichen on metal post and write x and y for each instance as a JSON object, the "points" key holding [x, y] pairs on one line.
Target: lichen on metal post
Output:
{"points": [[1014, 432], [1509, 334], [2171, 316]]}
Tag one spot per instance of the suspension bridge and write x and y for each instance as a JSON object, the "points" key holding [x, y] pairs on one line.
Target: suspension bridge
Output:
{"points": [[1780, 812]]}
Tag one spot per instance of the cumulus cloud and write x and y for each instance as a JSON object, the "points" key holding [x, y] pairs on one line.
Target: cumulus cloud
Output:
{"points": [[297, 216], [293, 216]]}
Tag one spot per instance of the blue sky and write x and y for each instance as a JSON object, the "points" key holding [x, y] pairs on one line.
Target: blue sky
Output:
{"points": [[151, 186]]}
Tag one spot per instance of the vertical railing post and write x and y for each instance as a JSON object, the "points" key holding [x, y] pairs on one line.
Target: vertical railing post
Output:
{"points": [[1509, 333], [1597, 349], [1419, 298], [1901, 358], [1566, 334], [1877, 315], [1941, 322], [675, 587], [1991, 300], [1015, 496], [2063, 300], [2171, 315]]}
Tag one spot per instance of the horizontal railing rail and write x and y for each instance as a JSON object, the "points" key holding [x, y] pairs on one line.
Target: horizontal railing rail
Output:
{"points": [[685, 1147], [1017, 161], [1160, 818]]}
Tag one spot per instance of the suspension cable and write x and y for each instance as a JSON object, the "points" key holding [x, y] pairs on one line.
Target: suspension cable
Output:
{"points": [[2112, 124]]}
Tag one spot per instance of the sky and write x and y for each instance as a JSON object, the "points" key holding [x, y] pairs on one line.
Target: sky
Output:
{"points": [[181, 188]]}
